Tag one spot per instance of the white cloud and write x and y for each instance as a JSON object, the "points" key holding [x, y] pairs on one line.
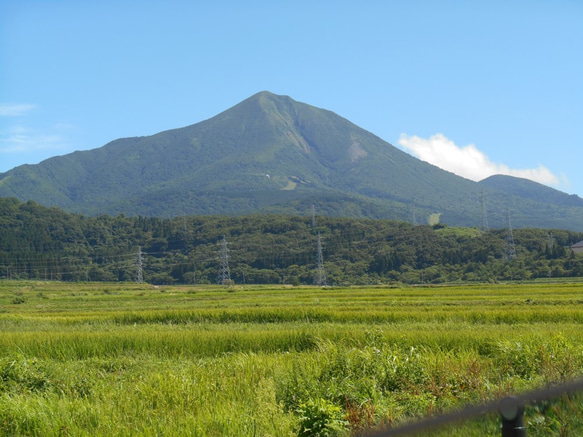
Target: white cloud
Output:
{"points": [[22, 140], [15, 110], [20, 143], [468, 161]]}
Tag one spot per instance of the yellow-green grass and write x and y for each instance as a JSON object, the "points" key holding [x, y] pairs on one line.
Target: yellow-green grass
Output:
{"points": [[133, 359]]}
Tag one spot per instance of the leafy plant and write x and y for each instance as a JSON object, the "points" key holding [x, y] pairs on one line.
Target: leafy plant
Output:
{"points": [[321, 418]]}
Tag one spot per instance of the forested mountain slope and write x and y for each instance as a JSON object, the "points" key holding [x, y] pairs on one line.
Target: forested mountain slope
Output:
{"points": [[527, 189], [47, 243]]}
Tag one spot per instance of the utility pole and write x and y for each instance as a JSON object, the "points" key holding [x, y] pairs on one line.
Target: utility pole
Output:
{"points": [[139, 266], [510, 248], [224, 273], [320, 276]]}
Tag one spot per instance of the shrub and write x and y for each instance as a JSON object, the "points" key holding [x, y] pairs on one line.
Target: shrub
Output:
{"points": [[18, 300], [321, 418]]}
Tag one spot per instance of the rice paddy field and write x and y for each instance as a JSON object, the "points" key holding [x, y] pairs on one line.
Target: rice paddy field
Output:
{"points": [[95, 359]]}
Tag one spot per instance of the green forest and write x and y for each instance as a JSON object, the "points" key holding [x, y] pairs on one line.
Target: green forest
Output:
{"points": [[43, 243]]}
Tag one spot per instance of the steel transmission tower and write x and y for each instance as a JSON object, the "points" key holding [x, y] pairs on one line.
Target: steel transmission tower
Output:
{"points": [[485, 226], [139, 266], [510, 248], [313, 216], [224, 273], [551, 241], [320, 276]]}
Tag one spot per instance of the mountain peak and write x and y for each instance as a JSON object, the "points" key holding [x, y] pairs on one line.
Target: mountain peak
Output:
{"points": [[268, 95], [265, 94], [264, 97], [253, 109], [268, 153]]}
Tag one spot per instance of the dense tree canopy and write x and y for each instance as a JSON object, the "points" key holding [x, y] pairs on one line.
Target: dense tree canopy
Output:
{"points": [[46, 243]]}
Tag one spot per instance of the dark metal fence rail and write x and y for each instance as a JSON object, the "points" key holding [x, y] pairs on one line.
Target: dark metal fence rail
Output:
{"points": [[511, 411]]}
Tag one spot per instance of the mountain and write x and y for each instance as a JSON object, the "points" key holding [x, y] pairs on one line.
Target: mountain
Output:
{"points": [[528, 189], [269, 153]]}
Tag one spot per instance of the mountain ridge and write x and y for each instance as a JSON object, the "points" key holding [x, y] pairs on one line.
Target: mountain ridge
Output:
{"points": [[270, 153], [530, 189]]}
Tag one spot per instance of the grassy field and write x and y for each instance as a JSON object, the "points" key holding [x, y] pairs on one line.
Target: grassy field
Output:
{"points": [[133, 359]]}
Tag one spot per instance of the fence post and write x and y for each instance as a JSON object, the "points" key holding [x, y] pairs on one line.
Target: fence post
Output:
{"points": [[512, 412]]}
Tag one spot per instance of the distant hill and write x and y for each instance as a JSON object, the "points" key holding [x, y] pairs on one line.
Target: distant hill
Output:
{"points": [[272, 154], [528, 189]]}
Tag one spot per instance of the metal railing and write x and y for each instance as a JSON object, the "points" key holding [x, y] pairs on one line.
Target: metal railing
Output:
{"points": [[511, 410]]}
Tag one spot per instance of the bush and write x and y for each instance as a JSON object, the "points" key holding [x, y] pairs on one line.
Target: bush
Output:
{"points": [[320, 417]]}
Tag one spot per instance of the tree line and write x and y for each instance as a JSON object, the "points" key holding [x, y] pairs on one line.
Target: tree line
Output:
{"points": [[43, 243]]}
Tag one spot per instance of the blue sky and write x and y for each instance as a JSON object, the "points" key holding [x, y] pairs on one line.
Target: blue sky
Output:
{"points": [[475, 87]]}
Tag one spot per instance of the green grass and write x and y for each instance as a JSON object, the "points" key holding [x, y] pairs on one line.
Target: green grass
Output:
{"points": [[127, 359]]}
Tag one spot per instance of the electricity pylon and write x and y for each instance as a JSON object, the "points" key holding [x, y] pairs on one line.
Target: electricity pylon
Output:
{"points": [[510, 248], [485, 226], [224, 273], [320, 276], [139, 266], [313, 216]]}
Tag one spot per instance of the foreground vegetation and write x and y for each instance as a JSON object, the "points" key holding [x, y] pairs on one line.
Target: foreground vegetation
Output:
{"points": [[100, 359]]}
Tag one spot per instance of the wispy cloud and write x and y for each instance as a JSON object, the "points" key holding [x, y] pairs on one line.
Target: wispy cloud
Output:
{"points": [[15, 110], [468, 161], [22, 140]]}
